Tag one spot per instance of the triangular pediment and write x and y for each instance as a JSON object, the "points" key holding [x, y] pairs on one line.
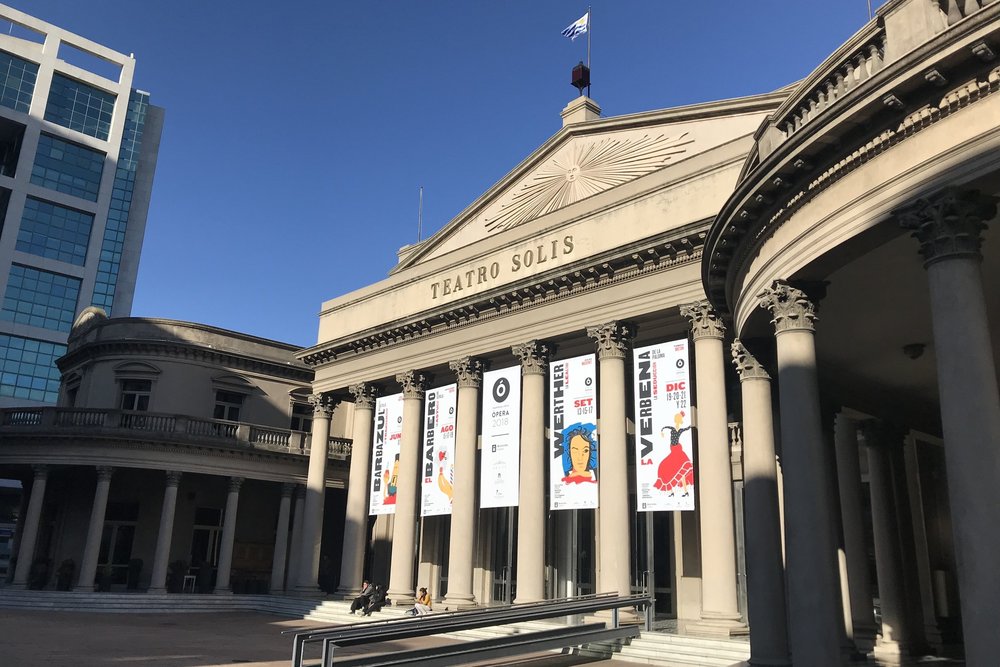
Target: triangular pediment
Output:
{"points": [[583, 160]]}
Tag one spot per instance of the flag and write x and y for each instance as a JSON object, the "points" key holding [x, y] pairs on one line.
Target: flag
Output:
{"points": [[577, 27]]}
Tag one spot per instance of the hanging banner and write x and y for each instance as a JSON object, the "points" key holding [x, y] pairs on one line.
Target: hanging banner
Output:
{"points": [[573, 416], [439, 451], [501, 444], [385, 454], [664, 465]]}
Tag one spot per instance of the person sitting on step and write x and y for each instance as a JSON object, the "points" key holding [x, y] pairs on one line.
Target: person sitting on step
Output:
{"points": [[362, 600], [376, 601]]}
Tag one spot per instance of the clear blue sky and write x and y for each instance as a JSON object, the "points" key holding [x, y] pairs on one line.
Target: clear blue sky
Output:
{"points": [[297, 133]]}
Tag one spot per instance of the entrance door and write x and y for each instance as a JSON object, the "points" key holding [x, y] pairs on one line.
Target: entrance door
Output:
{"points": [[205, 546], [653, 558]]}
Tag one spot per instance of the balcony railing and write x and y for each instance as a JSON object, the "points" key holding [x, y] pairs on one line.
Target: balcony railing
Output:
{"points": [[180, 427]]}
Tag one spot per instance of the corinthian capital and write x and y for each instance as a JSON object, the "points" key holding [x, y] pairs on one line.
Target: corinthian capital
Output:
{"points": [[534, 356], [364, 395], [323, 404], [469, 371], [790, 308], [948, 224], [705, 322], [746, 365], [414, 383], [613, 339]]}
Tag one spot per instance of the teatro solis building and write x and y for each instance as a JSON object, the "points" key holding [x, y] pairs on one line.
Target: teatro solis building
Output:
{"points": [[737, 354]]}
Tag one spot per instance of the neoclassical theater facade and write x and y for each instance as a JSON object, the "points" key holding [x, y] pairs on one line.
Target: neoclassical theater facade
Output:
{"points": [[822, 249], [821, 258]]}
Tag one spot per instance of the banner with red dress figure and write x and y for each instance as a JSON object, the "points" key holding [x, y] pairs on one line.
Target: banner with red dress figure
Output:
{"points": [[664, 466], [438, 463], [573, 415], [385, 454]]}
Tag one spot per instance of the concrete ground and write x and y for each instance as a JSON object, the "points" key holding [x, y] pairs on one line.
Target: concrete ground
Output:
{"points": [[73, 639]]}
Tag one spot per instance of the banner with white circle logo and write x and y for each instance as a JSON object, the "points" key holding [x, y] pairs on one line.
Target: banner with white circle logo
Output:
{"points": [[573, 456], [499, 475], [385, 454], [438, 463], [664, 457]]}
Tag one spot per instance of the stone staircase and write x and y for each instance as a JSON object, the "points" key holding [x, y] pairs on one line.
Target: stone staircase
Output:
{"points": [[652, 648]]}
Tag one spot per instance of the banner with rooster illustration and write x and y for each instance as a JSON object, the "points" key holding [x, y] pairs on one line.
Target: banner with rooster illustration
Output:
{"points": [[664, 466], [500, 472], [573, 456], [385, 454], [438, 463]]}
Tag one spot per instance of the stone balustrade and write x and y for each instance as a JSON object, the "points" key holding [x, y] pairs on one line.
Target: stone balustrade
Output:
{"points": [[180, 427]]}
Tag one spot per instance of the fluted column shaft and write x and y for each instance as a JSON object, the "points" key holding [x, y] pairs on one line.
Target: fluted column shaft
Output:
{"points": [[356, 516], [404, 526], [464, 504], [949, 227], [814, 614], [295, 552], [222, 585], [281, 540], [91, 549], [161, 555], [765, 570], [852, 511], [534, 356], [312, 515], [29, 535], [613, 341], [720, 612]]}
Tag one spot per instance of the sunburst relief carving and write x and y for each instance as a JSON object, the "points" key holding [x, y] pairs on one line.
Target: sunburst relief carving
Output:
{"points": [[580, 170]]}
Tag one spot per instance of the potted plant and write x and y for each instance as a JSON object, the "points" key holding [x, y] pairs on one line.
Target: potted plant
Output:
{"points": [[64, 575]]}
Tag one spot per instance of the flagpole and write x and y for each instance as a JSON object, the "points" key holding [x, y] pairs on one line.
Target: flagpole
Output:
{"points": [[590, 21]]}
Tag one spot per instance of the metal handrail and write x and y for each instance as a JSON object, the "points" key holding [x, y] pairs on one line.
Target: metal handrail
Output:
{"points": [[403, 628]]}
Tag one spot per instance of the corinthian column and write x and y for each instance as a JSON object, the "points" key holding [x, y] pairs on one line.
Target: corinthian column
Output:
{"points": [[222, 585], [404, 526], [534, 356], [312, 515], [356, 518], [613, 342], [26, 550], [814, 619], [765, 571], [280, 558], [91, 550], [463, 510], [720, 613], [158, 580], [949, 227]]}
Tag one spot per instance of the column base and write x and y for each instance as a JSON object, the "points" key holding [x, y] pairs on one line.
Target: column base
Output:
{"points": [[401, 598], [83, 589], [890, 652], [864, 637], [222, 591], [276, 591], [347, 593], [459, 601], [718, 625], [158, 590], [768, 662], [527, 600], [17, 587]]}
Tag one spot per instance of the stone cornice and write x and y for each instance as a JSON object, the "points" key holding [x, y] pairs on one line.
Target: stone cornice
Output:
{"points": [[182, 350], [635, 262], [850, 130]]}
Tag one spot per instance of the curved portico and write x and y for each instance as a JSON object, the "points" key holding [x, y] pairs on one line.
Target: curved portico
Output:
{"points": [[827, 201]]}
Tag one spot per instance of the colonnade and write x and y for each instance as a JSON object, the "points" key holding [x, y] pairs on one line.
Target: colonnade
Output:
{"points": [[161, 554]]}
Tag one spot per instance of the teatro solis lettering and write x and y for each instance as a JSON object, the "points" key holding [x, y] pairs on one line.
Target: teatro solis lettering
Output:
{"points": [[479, 275]]}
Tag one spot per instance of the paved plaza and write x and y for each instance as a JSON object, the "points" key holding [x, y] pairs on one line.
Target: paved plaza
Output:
{"points": [[65, 639]]}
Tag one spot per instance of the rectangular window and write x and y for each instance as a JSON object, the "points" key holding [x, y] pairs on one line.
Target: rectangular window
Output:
{"points": [[17, 82], [40, 298], [135, 394], [66, 167], [80, 107], [53, 231], [28, 368], [302, 417], [228, 405]]}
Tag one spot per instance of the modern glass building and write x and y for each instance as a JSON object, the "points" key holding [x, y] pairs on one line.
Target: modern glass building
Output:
{"points": [[78, 149]]}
